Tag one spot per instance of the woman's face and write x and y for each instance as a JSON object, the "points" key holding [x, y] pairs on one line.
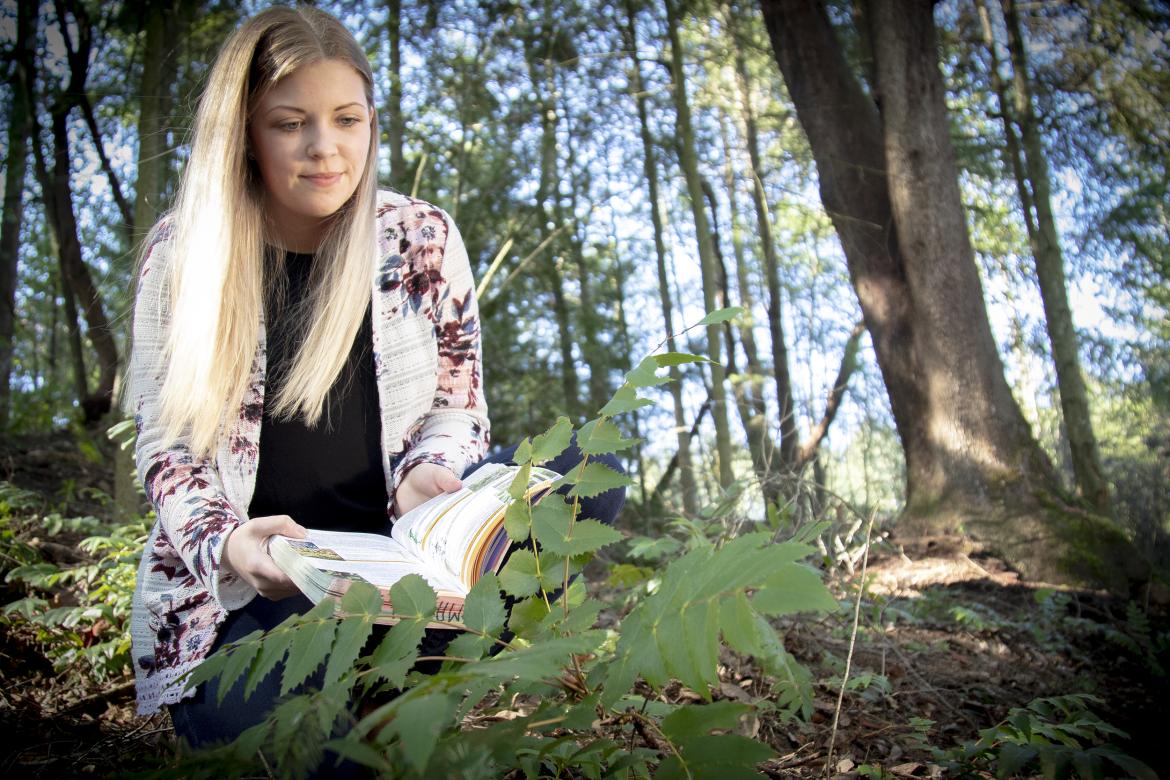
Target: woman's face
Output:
{"points": [[310, 135]]}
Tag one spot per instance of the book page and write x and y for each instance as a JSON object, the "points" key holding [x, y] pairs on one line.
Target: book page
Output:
{"points": [[455, 527]]}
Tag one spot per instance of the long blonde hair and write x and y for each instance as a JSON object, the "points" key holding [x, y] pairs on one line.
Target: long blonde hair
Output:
{"points": [[217, 274]]}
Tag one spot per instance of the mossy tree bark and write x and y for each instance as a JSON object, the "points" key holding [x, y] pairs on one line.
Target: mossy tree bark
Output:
{"points": [[889, 182]]}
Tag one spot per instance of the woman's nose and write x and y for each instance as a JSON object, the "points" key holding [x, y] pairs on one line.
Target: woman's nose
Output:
{"points": [[321, 143]]}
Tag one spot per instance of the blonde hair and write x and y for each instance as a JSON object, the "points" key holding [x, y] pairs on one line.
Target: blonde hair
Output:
{"points": [[217, 275]]}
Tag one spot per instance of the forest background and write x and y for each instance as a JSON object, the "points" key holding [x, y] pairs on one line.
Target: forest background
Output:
{"points": [[945, 227]]}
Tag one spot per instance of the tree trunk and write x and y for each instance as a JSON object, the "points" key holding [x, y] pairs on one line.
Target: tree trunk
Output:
{"points": [[1074, 398], [16, 165], [396, 124], [650, 171], [890, 185], [690, 165], [789, 439]]}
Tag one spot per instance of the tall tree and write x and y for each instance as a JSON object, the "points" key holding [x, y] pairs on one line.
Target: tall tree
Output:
{"points": [[889, 182], [650, 172], [689, 161], [16, 166], [1045, 243]]}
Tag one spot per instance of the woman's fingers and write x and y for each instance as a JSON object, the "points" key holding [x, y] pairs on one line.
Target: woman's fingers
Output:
{"points": [[245, 552]]}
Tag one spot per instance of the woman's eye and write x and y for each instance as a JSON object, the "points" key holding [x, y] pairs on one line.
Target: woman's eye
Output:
{"points": [[348, 121], [289, 127]]}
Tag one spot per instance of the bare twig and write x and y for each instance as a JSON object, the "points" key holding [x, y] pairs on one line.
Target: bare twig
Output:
{"points": [[852, 644]]}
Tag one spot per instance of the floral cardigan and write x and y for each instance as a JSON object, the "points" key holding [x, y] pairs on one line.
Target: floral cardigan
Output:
{"points": [[428, 365]]}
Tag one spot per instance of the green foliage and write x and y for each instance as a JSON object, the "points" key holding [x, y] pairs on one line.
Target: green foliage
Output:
{"points": [[1060, 736], [542, 691], [78, 613]]}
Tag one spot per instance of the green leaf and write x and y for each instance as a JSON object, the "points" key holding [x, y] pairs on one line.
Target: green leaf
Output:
{"points": [[311, 643], [645, 374], [418, 724], [466, 645], [594, 479], [545, 659], [482, 609], [519, 485], [721, 315], [725, 749], [413, 598], [601, 436], [517, 523], [272, 651], [624, 400], [737, 621], [359, 753], [694, 721], [239, 659], [552, 442], [794, 588], [518, 577], [553, 527], [397, 651], [526, 615], [361, 598], [351, 638]]}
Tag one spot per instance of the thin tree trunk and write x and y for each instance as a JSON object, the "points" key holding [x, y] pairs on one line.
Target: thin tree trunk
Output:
{"points": [[16, 165], [650, 171], [890, 185], [396, 124], [789, 438], [690, 165], [1074, 398]]}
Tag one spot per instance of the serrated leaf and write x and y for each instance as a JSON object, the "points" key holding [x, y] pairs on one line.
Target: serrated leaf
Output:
{"points": [[518, 577], [645, 374], [794, 588], [310, 646], [600, 436], [544, 659], [468, 646], [519, 485], [527, 614], [666, 359], [359, 753], [272, 651], [482, 609], [720, 316], [695, 720], [593, 480], [361, 598], [239, 659], [352, 634], [397, 651], [523, 452], [418, 724], [413, 598], [624, 400], [552, 524], [516, 521], [737, 621], [552, 442]]}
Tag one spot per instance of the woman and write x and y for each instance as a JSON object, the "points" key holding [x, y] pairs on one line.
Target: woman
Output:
{"points": [[306, 354]]}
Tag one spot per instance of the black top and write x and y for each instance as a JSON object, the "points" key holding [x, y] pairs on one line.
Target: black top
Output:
{"points": [[329, 476]]}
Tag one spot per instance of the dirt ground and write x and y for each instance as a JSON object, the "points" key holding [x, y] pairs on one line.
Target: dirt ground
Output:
{"points": [[947, 643]]}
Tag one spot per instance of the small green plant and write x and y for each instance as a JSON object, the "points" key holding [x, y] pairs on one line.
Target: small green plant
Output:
{"points": [[1060, 736]]}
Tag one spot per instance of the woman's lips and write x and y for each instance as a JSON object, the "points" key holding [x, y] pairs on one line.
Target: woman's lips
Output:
{"points": [[324, 179]]}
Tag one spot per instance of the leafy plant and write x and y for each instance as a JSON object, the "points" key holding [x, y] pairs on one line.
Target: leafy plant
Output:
{"points": [[549, 692], [1059, 735]]}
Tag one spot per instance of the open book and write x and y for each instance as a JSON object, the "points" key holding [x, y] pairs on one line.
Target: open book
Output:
{"points": [[451, 541]]}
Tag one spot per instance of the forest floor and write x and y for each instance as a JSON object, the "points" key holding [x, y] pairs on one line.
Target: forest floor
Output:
{"points": [[947, 643]]}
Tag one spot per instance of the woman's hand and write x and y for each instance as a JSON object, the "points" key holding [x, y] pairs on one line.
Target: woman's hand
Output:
{"points": [[245, 552], [423, 482]]}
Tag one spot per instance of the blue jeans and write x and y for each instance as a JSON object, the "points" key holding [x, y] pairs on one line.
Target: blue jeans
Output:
{"points": [[203, 722]]}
